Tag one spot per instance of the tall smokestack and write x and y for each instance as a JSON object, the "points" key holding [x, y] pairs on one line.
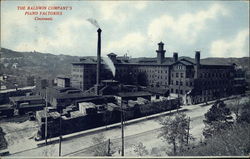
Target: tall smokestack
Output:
{"points": [[98, 67], [98, 57], [197, 64]]}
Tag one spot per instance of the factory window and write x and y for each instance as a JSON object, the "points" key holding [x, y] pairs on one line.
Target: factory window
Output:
{"points": [[176, 91], [176, 82], [181, 75], [172, 91], [191, 84], [177, 74], [181, 83], [171, 81]]}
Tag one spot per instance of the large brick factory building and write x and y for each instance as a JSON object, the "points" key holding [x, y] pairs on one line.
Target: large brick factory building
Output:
{"points": [[194, 79]]}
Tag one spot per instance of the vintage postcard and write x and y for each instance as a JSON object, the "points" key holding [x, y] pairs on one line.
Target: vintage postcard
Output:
{"points": [[124, 79]]}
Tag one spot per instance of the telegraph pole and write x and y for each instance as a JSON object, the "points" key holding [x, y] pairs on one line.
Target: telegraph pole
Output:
{"points": [[179, 96], [46, 116], [109, 154], [122, 129], [60, 137], [188, 130]]}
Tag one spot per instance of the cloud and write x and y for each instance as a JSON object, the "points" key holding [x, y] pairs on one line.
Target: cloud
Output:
{"points": [[187, 27], [62, 38], [134, 43], [237, 46], [119, 12]]}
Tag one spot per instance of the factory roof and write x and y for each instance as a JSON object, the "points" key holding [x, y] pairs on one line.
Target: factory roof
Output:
{"points": [[25, 98], [53, 115], [120, 60], [134, 94], [62, 77]]}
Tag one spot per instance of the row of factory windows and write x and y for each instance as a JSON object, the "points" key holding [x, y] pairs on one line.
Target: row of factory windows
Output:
{"points": [[181, 83], [142, 70], [214, 83], [179, 67], [177, 74], [239, 81], [179, 91], [208, 75], [158, 77], [77, 69], [158, 83]]}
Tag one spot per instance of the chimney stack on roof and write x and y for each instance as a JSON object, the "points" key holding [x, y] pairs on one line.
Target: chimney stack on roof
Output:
{"points": [[197, 57], [175, 56]]}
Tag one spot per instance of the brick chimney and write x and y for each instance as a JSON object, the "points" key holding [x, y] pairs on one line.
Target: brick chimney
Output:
{"points": [[197, 57], [98, 67], [175, 56], [197, 64]]}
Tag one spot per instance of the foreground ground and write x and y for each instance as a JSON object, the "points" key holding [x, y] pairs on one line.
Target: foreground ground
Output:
{"points": [[21, 143]]}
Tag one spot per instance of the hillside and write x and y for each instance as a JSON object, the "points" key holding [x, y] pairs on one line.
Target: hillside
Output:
{"points": [[19, 66], [36, 63]]}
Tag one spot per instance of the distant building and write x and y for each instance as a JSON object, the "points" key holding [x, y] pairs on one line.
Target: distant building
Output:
{"points": [[84, 73], [239, 80], [25, 104], [194, 80], [62, 82]]}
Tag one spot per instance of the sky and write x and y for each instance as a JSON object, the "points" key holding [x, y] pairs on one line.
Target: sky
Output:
{"points": [[216, 28]]}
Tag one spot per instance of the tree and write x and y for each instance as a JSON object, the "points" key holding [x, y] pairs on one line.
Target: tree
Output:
{"points": [[102, 146], [217, 118], [235, 107], [176, 131], [234, 141], [244, 115], [140, 149]]}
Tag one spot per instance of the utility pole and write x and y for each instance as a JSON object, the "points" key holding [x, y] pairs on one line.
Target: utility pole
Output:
{"points": [[0, 80], [109, 154], [179, 96], [122, 129], [60, 137], [46, 116], [188, 130]]}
